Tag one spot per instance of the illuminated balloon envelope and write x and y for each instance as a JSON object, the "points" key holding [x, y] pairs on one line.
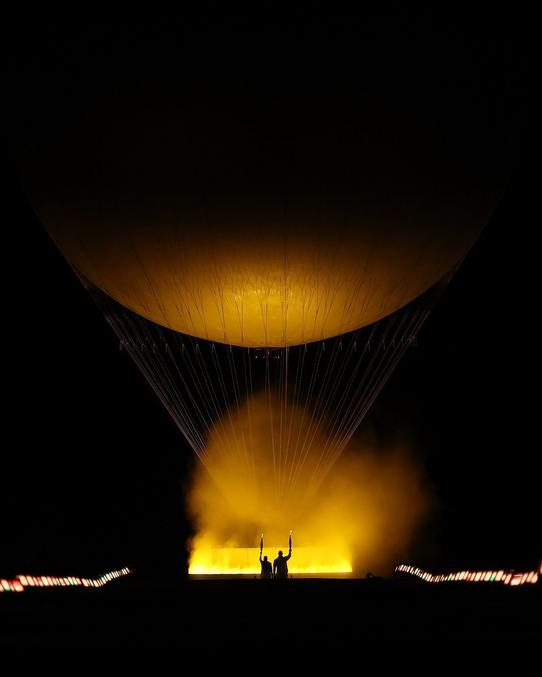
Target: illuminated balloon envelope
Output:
{"points": [[209, 232], [256, 242], [308, 288]]}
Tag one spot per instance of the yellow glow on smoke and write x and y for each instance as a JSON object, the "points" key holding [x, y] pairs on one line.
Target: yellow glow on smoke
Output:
{"points": [[359, 517]]}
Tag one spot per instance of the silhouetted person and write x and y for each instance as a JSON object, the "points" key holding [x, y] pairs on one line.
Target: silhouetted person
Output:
{"points": [[280, 565], [267, 571]]}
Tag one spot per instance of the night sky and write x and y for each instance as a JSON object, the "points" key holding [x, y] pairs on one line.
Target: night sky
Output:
{"points": [[93, 468]]}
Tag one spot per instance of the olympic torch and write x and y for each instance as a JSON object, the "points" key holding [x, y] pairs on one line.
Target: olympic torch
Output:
{"points": [[290, 541], [261, 545]]}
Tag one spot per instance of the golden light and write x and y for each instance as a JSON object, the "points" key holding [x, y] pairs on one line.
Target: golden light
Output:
{"points": [[358, 518], [204, 236], [229, 561], [281, 288]]}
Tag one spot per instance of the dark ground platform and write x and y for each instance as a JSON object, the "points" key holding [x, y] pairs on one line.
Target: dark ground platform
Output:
{"points": [[198, 614]]}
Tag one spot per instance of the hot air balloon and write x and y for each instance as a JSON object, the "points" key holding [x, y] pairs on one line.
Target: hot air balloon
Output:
{"points": [[268, 241]]}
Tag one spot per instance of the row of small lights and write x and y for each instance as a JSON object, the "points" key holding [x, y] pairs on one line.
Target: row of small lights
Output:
{"points": [[22, 582], [507, 577]]}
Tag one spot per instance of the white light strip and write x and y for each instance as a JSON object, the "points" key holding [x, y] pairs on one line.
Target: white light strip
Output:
{"points": [[507, 577], [21, 582]]}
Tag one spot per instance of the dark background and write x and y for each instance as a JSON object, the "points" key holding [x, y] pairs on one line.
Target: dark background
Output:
{"points": [[93, 469]]}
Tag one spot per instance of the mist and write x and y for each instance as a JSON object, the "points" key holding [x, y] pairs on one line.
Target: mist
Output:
{"points": [[267, 469]]}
